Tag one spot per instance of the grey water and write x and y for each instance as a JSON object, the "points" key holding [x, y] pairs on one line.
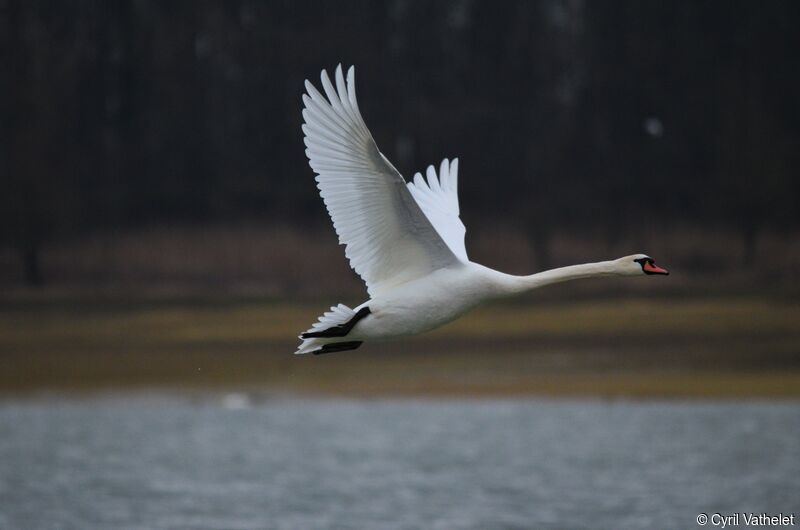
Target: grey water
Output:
{"points": [[235, 462]]}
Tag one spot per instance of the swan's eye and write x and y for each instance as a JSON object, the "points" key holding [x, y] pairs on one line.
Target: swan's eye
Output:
{"points": [[645, 262]]}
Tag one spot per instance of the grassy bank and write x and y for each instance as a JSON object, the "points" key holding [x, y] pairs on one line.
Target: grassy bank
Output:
{"points": [[715, 347]]}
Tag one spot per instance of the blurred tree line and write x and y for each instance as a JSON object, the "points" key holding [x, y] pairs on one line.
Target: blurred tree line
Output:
{"points": [[609, 116]]}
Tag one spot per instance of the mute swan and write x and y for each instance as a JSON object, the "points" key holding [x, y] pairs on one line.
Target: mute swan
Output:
{"points": [[405, 240]]}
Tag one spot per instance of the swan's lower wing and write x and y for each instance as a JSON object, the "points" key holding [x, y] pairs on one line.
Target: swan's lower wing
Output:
{"points": [[438, 198], [388, 239]]}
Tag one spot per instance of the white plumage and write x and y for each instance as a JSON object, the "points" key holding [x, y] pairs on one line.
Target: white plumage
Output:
{"points": [[405, 240], [438, 198], [388, 239]]}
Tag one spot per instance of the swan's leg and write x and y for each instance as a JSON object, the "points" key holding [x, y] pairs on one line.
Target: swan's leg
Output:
{"points": [[338, 346], [338, 331]]}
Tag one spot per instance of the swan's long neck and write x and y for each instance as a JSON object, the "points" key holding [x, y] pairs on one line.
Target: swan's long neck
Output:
{"points": [[520, 284]]}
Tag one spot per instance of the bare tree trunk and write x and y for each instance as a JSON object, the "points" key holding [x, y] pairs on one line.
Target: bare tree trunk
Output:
{"points": [[32, 265]]}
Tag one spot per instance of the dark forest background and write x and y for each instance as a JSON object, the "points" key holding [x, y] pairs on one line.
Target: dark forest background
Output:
{"points": [[139, 132]]}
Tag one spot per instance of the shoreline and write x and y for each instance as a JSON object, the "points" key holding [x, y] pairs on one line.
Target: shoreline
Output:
{"points": [[704, 348], [729, 386]]}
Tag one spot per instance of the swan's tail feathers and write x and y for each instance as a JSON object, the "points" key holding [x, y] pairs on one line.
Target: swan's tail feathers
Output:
{"points": [[327, 334]]}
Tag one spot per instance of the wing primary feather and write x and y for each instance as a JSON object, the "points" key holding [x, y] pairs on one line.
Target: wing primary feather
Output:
{"points": [[351, 95], [444, 175], [344, 99]]}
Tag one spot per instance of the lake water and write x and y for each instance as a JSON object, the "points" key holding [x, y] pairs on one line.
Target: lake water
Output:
{"points": [[233, 462]]}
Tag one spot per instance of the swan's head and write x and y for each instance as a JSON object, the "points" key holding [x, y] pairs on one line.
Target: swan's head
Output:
{"points": [[639, 264]]}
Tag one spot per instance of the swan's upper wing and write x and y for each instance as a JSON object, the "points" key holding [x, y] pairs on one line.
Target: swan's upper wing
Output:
{"points": [[389, 240], [438, 198]]}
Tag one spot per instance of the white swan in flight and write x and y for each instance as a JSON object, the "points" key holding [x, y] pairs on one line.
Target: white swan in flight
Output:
{"points": [[404, 239]]}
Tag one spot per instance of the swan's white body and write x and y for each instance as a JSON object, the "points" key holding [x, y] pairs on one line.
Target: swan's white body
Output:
{"points": [[405, 240]]}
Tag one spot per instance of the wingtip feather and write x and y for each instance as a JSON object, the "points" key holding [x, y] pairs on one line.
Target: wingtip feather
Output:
{"points": [[444, 174]]}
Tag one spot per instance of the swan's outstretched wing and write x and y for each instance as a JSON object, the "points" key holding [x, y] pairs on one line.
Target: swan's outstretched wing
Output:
{"points": [[389, 240], [438, 198]]}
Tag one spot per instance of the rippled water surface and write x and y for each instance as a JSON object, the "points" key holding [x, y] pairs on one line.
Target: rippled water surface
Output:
{"points": [[230, 462]]}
